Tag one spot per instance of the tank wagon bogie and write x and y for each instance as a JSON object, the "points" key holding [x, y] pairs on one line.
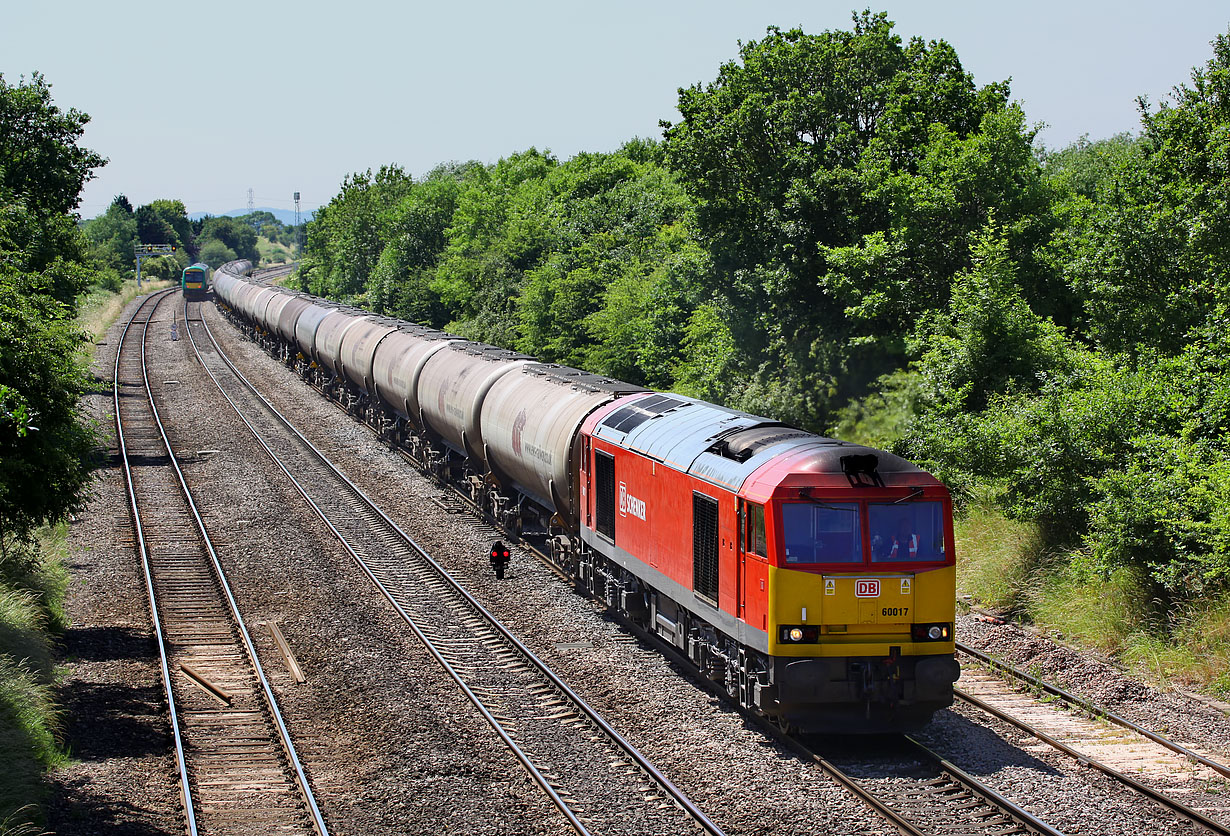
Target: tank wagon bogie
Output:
{"points": [[812, 578]]}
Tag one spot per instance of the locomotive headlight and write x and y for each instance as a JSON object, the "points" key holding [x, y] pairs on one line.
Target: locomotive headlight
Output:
{"points": [[931, 632], [796, 634]]}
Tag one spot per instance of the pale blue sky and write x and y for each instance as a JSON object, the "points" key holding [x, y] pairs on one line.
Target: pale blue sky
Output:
{"points": [[202, 101]]}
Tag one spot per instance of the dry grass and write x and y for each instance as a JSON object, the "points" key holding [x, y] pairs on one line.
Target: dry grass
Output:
{"points": [[1004, 565], [100, 308], [1107, 615], [1197, 654]]}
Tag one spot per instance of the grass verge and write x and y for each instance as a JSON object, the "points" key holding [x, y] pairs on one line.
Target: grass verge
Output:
{"points": [[1006, 566], [33, 585], [99, 307]]}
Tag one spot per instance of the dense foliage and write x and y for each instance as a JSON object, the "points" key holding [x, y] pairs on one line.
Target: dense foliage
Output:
{"points": [[1111, 431], [845, 230], [42, 441], [44, 445]]}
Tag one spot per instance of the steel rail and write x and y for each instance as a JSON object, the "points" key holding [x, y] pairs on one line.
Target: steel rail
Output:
{"points": [[1010, 807], [1081, 758], [639, 759], [1092, 708], [317, 819], [181, 764]]}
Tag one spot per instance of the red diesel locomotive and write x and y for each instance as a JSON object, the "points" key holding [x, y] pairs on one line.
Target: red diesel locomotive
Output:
{"points": [[813, 577]]}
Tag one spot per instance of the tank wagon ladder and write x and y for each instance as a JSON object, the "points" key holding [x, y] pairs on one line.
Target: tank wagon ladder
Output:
{"points": [[234, 754], [565, 746]]}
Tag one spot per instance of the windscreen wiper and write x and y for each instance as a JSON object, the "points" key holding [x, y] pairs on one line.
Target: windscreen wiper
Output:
{"points": [[914, 494]]}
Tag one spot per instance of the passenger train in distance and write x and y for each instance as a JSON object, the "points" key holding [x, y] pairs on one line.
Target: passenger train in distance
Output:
{"points": [[812, 578], [195, 282]]}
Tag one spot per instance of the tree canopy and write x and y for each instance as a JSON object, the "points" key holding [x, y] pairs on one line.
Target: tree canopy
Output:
{"points": [[833, 173], [41, 163], [43, 443]]}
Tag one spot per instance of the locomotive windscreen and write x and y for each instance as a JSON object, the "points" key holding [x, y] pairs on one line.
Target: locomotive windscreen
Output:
{"points": [[828, 533], [907, 531]]}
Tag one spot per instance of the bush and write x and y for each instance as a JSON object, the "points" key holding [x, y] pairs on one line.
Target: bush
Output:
{"points": [[215, 253], [109, 279]]}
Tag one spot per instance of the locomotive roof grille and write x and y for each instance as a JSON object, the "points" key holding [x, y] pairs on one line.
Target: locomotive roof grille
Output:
{"points": [[634, 414]]}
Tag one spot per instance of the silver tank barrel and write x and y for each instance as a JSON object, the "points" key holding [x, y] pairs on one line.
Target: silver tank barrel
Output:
{"points": [[451, 389], [531, 421]]}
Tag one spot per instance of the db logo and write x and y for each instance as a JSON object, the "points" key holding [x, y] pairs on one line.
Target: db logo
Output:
{"points": [[867, 588]]}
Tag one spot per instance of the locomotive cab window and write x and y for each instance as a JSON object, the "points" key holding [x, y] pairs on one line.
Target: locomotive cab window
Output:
{"points": [[822, 533], [909, 532], [753, 530]]}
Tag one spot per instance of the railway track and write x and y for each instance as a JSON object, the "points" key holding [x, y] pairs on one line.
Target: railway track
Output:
{"points": [[238, 769], [268, 274], [925, 794], [1134, 743], [598, 781]]}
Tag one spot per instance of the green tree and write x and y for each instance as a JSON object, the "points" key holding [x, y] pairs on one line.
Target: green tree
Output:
{"points": [[346, 237], [838, 178], [417, 234], [175, 215], [44, 446], [234, 235], [114, 235], [215, 253], [41, 163], [1146, 245]]}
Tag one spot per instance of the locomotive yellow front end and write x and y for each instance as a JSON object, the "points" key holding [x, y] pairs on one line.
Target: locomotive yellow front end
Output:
{"points": [[860, 595]]}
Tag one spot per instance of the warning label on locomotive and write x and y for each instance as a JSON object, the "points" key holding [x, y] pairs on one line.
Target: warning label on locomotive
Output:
{"points": [[867, 588]]}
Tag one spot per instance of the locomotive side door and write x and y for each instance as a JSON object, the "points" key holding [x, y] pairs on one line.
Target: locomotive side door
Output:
{"points": [[741, 563], [586, 513]]}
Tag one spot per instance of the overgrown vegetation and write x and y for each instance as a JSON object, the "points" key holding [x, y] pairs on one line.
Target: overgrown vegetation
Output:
{"points": [[44, 444], [844, 231]]}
